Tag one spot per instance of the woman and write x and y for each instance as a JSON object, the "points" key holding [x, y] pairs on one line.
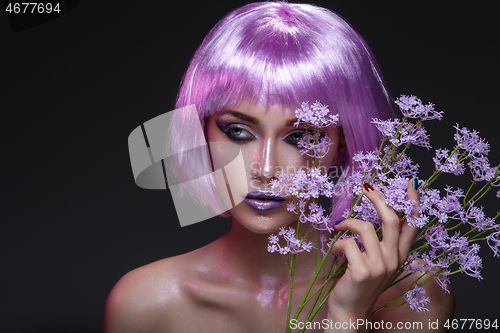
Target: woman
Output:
{"points": [[254, 68]]}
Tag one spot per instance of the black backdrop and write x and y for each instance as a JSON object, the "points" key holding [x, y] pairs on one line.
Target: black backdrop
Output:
{"points": [[73, 221]]}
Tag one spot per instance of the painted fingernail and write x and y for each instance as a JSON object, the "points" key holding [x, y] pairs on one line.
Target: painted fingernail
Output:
{"points": [[368, 187], [337, 223], [415, 183]]}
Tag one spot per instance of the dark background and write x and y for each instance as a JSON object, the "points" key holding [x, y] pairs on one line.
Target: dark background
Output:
{"points": [[72, 89]]}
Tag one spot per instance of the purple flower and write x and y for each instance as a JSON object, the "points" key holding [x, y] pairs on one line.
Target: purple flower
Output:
{"points": [[447, 207], [428, 198], [401, 133], [475, 217], [471, 263], [493, 240], [433, 263], [367, 161], [404, 167], [412, 107], [284, 250], [414, 215], [311, 149], [443, 281], [412, 264], [450, 163], [480, 168], [271, 248], [458, 244], [437, 238], [307, 246], [470, 141], [303, 184], [273, 239], [394, 190], [316, 115], [416, 299], [291, 206], [293, 244]]}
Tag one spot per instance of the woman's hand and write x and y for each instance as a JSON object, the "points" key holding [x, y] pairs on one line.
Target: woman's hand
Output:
{"points": [[369, 272]]}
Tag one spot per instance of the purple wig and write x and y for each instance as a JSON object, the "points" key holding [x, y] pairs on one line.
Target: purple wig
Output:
{"points": [[278, 53]]}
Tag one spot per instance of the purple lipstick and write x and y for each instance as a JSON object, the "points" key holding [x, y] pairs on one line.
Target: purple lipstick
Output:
{"points": [[263, 201]]}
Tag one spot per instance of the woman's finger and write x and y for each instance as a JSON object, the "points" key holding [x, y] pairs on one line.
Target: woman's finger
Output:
{"points": [[408, 233], [367, 234], [390, 220], [350, 249]]}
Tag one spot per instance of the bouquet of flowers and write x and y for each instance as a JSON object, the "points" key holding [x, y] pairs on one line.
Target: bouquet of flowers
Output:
{"points": [[451, 222]]}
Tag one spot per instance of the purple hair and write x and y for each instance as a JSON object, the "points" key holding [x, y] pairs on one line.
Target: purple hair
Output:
{"points": [[278, 53]]}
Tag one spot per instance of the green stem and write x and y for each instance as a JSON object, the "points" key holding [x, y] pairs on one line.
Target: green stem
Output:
{"points": [[328, 292], [470, 188], [386, 305], [292, 271]]}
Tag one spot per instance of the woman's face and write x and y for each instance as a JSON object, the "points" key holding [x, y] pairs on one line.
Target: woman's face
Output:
{"points": [[268, 142]]}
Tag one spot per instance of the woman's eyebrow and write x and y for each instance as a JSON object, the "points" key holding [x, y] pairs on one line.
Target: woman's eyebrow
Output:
{"points": [[241, 116], [252, 120]]}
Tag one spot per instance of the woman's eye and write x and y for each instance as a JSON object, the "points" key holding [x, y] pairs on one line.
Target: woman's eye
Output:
{"points": [[238, 133], [295, 137]]}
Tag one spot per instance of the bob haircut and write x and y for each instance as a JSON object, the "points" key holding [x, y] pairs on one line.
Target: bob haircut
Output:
{"points": [[278, 53]]}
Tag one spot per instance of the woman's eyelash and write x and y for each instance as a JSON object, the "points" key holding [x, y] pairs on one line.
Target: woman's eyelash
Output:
{"points": [[238, 132], [235, 132], [295, 137]]}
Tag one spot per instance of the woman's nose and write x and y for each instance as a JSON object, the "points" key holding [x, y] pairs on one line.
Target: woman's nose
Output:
{"points": [[267, 160]]}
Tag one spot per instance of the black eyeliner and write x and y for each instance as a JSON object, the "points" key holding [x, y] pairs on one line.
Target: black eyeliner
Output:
{"points": [[225, 127]]}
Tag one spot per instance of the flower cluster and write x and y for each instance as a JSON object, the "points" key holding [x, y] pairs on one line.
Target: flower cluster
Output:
{"points": [[293, 245], [480, 169], [412, 107], [443, 161], [402, 132], [470, 141], [441, 244], [303, 184], [311, 149], [450, 220], [416, 299], [391, 180], [315, 115], [493, 240], [309, 183]]}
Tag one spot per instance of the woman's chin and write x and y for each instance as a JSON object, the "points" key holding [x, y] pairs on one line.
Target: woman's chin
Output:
{"points": [[258, 218]]}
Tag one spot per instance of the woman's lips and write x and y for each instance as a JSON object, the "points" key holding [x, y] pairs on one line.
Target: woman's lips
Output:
{"points": [[263, 200]]}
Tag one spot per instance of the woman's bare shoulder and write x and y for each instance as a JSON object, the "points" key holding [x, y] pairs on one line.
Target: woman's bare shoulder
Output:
{"points": [[149, 296], [440, 308]]}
